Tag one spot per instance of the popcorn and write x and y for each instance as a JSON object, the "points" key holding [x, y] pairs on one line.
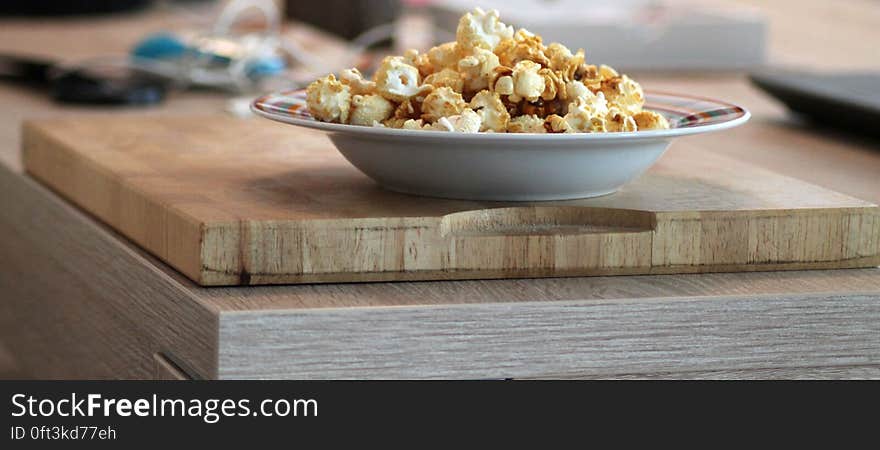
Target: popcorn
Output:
{"points": [[552, 84], [589, 75], [527, 83], [576, 89], [597, 103], [481, 29], [329, 100], [558, 124], [354, 80], [477, 68], [524, 46], [489, 79], [579, 119], [441, 57], [607, 72], [396, 80], [558, 56], [413, 124], [446, 78], [617, 120], [539, 108], [442, 102], [491, 110], [587, 114], [624, 92], [409, 109], [366, 109], [649, 120], [597, 125], [395, 122], [413, 57], [504, 85], [526, 124], [571, 69], [466, 122]]}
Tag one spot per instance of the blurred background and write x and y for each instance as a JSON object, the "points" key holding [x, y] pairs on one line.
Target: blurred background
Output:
{"points": [[815, 58], [279, 37]]}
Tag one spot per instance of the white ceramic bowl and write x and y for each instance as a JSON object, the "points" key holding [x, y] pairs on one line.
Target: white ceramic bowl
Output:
{"points": [[507, 166]]}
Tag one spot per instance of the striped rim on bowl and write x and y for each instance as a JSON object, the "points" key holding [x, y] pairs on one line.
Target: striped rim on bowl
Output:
{"points": [[682, 111]]}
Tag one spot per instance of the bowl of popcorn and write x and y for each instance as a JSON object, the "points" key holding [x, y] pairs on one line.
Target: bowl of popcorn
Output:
{"points": [[497, 115]]}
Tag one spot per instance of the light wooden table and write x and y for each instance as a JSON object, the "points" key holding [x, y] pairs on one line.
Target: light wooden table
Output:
{"points": [[79, 301]]}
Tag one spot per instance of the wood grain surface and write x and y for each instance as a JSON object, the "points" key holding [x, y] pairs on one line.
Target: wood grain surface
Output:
{"points": [[603, 339], [9, 368], [168, 370], [227, 201], [103, 316], [110, 314], [772, 373]]}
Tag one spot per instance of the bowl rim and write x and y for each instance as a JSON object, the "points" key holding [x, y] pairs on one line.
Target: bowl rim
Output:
{"points": [[745, 115]]}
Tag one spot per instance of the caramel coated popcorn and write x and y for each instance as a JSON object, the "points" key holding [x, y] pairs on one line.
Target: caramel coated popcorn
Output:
{"points": [[490, 79]]}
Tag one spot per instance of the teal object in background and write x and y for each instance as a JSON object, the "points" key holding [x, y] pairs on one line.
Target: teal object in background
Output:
{"points": [[160, 46], [168, 47], [264, 67]]}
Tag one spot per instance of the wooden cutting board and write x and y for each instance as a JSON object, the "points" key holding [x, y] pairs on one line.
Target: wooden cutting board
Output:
{"points": [[229, 201]]}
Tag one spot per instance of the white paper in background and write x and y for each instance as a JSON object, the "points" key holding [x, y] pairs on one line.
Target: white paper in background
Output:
{"points": [[634, 34]]}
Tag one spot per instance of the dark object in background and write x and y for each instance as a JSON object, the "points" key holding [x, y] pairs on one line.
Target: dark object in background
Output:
{"points": [[848, 101], [108, 86], [68, 7], [97, 85], [346, 18]]}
